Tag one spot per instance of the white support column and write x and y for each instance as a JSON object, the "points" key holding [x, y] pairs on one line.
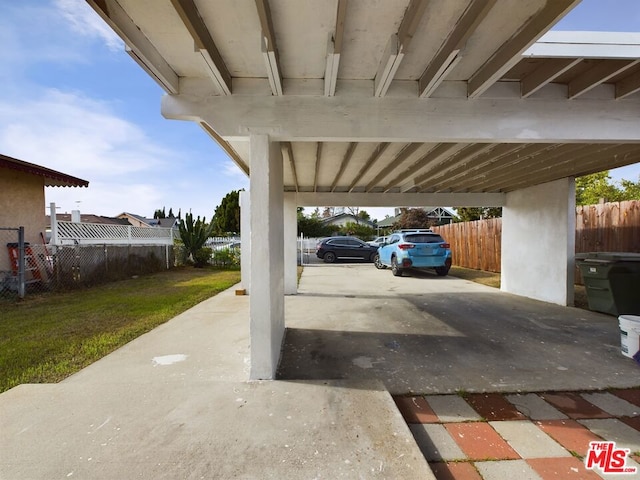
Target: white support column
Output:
{"points": [[245, 241], [538, 242], [267, 257], [290, 244]]}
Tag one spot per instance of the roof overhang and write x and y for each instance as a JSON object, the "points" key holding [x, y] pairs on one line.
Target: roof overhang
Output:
{"points": [[52, 178], [397, 103]]}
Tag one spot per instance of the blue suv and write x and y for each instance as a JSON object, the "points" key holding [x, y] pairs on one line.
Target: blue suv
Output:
{"points": [[417, 248]]}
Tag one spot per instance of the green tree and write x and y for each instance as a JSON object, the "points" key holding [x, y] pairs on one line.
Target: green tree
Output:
{"points": [[413, 218], [591, 188], [159, 213], [360, 230], [469, 214], [226, 218], [194, 234], [311, 226], [630, 189]]}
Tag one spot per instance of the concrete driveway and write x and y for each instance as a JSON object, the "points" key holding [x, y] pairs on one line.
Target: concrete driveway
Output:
{"points": [[427, 334]]}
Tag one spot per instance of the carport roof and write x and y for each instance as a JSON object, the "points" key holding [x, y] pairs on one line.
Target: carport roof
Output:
{"points": [[396, 96], [52, 178]]}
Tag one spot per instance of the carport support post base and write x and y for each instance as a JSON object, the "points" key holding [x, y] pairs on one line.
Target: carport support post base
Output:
{"points": [[245, 241], [538, 242], [266, 302]]}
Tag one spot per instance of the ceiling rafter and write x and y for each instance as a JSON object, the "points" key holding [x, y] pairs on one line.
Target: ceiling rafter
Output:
{"points": [[269, 47], [397, 46], [628, 85], [598, 74], [402, 155], [317, 166], [138, 45], [204, 44], [452, 49], [510, 52], [373, 158], [452, 163], [426, 181], [334, 49], [493, 178], [436, 154], [226, 147], [286, 147], [482, 171], [621, 155], [343, 165], [546, 73]]}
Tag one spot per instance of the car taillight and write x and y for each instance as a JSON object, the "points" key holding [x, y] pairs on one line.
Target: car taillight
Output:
{"points": [[406, 246], [445, 245]]}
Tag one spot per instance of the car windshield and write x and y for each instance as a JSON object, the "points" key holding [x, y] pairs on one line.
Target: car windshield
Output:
{"points": [[423, 238]]}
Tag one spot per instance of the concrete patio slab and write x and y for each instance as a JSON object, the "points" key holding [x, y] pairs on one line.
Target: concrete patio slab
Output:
{"points": [[228, 430], [426, 334]]}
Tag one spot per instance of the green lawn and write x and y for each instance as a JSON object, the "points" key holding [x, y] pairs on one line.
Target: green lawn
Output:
{"points": [[46, 338]]}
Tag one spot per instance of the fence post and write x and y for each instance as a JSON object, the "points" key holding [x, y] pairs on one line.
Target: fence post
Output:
{"points": [[21, 263], [54, 224]]}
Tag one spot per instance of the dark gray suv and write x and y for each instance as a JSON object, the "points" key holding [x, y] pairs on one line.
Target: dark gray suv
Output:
{"points": [[332, 248]]}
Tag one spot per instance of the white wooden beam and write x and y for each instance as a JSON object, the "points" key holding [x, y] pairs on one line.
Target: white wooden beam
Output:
{"points": [[204, 44], [397, 45], [598, 74], [332, 199], [511, 51], [435, 120], [546, 73], [138, 45], [450, 52], [269, 48], [628, 85], [334, 49], [345, 161]]}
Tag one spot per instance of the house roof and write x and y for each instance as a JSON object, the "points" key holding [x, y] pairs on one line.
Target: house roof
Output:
{"points": [[390, 221], [90, 218], [339, 216], [52, 178]]}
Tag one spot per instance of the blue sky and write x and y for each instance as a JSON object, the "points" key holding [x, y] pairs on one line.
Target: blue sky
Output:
{"points": [[73, 100]]}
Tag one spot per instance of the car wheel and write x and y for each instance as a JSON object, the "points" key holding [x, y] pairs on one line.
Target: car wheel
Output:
{"points": [[329, 257], [395, 269], [376, 261], [442, 271]]}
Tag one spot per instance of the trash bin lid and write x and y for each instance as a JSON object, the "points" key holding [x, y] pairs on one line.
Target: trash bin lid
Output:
{"points": [[609, 257]]}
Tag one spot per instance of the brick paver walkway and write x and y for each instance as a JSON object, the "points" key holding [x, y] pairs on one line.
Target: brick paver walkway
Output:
{"points": [[525, 436]]}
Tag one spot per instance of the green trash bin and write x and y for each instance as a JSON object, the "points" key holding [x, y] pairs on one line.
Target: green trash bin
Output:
{"points": [[612, 281]]}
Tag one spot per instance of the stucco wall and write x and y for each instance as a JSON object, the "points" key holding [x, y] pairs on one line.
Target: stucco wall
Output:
{"points": [[538, 242], [21, 204]]}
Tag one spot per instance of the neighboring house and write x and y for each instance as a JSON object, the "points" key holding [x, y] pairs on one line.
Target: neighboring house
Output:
{"points": [[137, 220], [140, 221], [89, 218], [22, 202], [342, 219], [439, 215]]}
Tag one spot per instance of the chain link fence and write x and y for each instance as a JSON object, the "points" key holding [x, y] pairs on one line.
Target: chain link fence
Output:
{"points": [[54, 268]]}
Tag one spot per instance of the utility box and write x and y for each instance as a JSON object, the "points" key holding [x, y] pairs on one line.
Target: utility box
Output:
{"points": [[612, 281]]}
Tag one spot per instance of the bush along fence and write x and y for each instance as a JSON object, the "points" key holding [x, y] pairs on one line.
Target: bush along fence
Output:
{"points": [[606, 227]]}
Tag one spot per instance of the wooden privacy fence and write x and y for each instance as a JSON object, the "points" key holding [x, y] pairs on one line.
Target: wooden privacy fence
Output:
{"points": [[474, 244], [606, 227]]}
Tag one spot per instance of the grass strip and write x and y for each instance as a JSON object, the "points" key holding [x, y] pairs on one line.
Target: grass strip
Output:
{"points": [[46, 338]]}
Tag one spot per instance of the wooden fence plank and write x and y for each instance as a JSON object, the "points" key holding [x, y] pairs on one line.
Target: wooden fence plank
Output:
{"points": [[607, 227]]}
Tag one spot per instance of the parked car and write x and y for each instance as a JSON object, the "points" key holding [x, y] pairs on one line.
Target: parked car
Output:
{"points": [[332, 248], [414, 249], [378, 241]]}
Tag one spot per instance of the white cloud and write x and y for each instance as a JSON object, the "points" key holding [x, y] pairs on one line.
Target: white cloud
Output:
{"points": [[85, 22], [76, 135]]}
